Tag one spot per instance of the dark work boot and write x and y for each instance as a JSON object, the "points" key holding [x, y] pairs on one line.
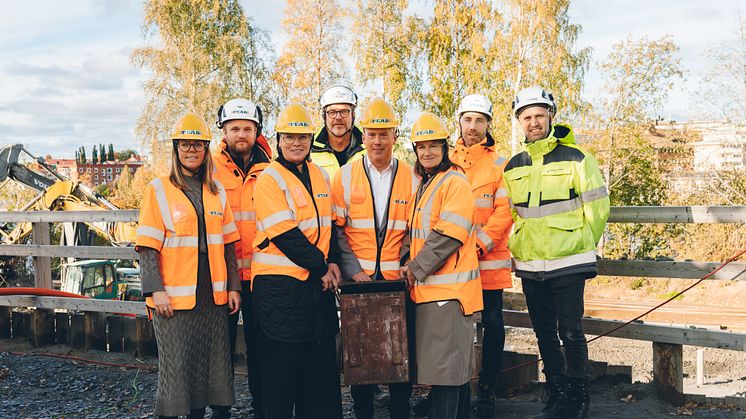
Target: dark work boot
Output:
{"points": [[485, 401], [555, 394], [197, 414], [422, 406], [221, 412], [578, 399]]}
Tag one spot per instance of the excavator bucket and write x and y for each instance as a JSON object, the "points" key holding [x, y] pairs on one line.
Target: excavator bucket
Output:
{"points": [[8, 154]]}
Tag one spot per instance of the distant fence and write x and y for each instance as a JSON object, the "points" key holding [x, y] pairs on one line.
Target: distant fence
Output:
{"points": [[667, 341]]}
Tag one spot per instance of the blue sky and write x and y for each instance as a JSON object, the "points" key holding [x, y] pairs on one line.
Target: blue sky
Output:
{"points": [[66, 79]]}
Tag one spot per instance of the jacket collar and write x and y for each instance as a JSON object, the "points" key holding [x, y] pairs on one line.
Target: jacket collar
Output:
{"points": [[261, 153], [321, 142], [560, 134]]}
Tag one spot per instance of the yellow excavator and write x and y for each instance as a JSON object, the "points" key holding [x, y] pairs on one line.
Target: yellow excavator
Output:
{"points": [[56, 192]]}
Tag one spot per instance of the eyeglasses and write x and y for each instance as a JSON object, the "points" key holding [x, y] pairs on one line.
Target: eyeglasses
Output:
{"points": [[344, 113], [303, 139], [197, 146]]}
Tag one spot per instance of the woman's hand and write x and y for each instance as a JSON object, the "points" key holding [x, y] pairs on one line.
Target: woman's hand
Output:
{"points": [[234, 301], [330, 281], [162, 304]]}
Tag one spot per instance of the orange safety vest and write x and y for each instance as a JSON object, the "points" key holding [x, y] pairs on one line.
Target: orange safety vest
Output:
{"points": [[447, 206], [168, 224], [355, 211], [484, 171], [282, 203], [240, 190]]}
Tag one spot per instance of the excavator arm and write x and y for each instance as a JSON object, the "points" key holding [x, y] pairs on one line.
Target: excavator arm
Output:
{"points": [[56, 193]]}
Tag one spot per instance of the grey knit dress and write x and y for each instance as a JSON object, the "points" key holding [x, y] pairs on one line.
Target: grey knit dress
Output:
{"points": [[194, 360]]}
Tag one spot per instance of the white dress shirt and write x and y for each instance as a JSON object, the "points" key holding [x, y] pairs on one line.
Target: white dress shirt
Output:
{"points": [[380, 185]]}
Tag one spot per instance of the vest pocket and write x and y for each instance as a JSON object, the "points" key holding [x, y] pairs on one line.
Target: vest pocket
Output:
{"points": [[556, 184]]}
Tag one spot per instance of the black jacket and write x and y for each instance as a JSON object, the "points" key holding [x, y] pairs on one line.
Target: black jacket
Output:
{"points": [[289, 310]]}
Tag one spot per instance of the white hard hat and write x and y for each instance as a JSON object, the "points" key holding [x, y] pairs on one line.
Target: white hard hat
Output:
{"points": [[533, 95], [338, 94], [475, 103], [239, 109]]}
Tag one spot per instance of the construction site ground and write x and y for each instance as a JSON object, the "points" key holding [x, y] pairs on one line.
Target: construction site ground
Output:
{"points": [[43, 387]]}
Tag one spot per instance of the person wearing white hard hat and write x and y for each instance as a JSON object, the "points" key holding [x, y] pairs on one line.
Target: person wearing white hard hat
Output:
{"points": [[475, 153], [339, 140], [560, 205], [240, 158]]}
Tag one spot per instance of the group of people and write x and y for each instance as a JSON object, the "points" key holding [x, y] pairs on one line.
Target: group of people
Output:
{"points": [[273, 235]]}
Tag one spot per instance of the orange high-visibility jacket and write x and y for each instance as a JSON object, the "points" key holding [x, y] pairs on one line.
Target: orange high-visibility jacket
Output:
{"points": [[240, 192], [484, 171], [282, 203], [355, 212], [447, 206], [168, 224]]}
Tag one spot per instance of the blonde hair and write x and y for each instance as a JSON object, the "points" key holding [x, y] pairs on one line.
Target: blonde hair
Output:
{"points": [[206, 169]]}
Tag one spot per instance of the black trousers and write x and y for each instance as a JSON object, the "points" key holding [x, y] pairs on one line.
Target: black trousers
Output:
{"points": [[494, 336], [300, 377], [556, 310], [362, 395], [450, 402], [252, 347]]}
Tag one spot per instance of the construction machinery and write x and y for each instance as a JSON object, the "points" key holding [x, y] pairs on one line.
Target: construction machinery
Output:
{"points": [[56, 192]]}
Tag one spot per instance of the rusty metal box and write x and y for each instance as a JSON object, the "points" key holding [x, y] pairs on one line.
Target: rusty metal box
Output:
{"points": [[374, 333]]}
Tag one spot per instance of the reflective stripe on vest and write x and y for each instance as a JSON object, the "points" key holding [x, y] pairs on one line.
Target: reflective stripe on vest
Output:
{"points": [[554, 264], [486, 265]]}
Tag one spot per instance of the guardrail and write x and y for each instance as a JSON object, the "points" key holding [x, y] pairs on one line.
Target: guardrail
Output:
{"points": [[667, 341]]}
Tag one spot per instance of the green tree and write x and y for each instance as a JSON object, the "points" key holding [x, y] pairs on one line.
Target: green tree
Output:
{"points": [[535, 44], [638, 75], [723, 90], [455, 62], [94, 159], [383, 46], [82, 155], [203, 52], [124, 154], [311, 60]]}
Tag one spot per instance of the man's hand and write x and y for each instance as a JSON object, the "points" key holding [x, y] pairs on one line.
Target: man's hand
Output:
{"points": [[163, 304], [361, 277], [234, 301]]}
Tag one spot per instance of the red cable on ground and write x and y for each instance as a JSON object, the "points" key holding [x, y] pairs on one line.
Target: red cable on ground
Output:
{"points": [[641, 315], [89, 361]]}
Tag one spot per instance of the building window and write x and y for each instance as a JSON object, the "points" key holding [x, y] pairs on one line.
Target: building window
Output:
{"points": [[95, 170], [88, 170], [118, 169], [95, 177], [80, 170], [109, 177], [108, 170]]}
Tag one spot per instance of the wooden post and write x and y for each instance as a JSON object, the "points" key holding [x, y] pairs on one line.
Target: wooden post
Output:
{"points": [[519, 378], [42, 264], [77, 330], [21, 322], [114, 333], [95, 330], [42, 326], [5, 320], [129, 330], [146, 344], [668, 372], [62, 328]]}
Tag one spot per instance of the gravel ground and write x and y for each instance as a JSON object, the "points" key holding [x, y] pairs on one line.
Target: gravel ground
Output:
{"points": [[43, 387]]}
